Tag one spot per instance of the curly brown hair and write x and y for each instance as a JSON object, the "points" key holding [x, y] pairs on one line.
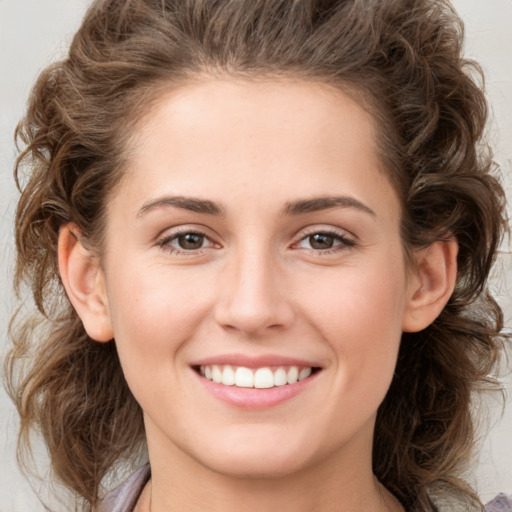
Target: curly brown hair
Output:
{"points": [[401, 60]]}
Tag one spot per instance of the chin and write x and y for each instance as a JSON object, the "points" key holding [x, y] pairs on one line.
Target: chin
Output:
{"points": [[260, 467], [255, 459]]}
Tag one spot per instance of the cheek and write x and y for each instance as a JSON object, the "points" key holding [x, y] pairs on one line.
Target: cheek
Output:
{"points": [[359, 313], [153, 317], [359, 299], [153, 314]]}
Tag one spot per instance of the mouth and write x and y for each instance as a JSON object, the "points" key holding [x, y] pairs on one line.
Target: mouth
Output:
{"points": [[265, 377]]}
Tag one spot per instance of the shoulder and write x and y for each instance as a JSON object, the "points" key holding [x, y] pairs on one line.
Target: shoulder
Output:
{"points": [[502, 503], [124, 497]]}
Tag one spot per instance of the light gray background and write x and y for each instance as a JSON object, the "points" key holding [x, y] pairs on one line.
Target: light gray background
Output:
{"points": [[35, 32]]}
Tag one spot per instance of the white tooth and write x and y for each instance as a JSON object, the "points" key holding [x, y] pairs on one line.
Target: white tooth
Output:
{"points": [[208, 372], [304, 373], [263, 378], [244, 378], [293, 375], [228, 376], [216, 374], [280, 377]]}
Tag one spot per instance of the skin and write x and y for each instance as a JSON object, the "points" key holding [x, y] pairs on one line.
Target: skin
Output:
{"points": [[257, 285]]}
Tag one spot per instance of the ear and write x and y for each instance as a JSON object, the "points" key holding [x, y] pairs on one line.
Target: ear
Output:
{"points": [[431, 284], [84, 282]]}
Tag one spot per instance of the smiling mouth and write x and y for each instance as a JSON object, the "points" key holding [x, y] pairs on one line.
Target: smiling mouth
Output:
{"points": [[260, 378]]}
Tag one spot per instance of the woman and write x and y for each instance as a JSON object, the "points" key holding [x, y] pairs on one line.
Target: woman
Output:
{"points": [[260, 233]]}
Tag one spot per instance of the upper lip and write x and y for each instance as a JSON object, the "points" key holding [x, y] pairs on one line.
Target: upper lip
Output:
{"points": [[256, 361]]}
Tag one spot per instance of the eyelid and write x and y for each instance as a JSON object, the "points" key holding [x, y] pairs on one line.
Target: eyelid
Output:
{"points": [[163, 241], [326, 229], [347, 239]]}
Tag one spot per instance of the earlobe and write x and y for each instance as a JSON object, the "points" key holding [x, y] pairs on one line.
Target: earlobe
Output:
{"points": [[432, 284], [84, 283]]}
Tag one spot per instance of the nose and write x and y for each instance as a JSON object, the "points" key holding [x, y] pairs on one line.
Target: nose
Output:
{"points": [[253, 298]]}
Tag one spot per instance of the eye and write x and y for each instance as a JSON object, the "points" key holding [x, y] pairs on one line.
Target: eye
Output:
{"points": [[190, 241], [325, 241], [186, 241]]}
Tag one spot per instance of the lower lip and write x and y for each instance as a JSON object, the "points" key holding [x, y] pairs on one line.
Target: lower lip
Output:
{"points": [[253, 398]]}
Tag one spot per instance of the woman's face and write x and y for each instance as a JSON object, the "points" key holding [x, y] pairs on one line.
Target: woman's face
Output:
{"points": [[255, 237]]}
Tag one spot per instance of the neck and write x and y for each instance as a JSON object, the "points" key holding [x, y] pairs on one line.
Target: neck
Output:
{"points": [[334, 484], [250, 499]]}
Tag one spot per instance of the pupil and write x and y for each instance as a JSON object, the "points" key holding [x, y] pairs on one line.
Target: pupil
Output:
{"points": [[190, 241], [320, 241]]}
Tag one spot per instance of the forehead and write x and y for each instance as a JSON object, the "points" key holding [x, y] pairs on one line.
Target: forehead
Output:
{"points": [[281, 106], [224, 137]]}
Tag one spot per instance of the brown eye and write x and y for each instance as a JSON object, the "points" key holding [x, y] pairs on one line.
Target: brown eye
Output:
{"points": [[187, 242], [325, 241], [190, 241], [321, 241]]}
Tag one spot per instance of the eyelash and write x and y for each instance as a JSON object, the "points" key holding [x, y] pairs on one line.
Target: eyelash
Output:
{"points": [[165, 243], [344, 242]]}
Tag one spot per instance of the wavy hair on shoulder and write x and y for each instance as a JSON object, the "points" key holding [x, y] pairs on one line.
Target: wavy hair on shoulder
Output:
{"points": [[400, 59]]}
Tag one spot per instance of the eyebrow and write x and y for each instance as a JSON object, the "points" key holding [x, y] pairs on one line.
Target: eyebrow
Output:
{"points": [[292, 208], [323, 203], [186, 203]]}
